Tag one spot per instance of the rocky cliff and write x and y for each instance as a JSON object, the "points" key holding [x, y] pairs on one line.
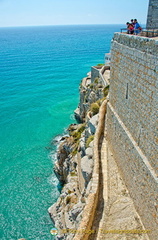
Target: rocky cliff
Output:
{"points": [[74, 165]]}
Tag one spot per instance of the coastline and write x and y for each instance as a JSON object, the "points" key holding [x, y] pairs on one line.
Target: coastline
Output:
{"points": [[75, 159]]}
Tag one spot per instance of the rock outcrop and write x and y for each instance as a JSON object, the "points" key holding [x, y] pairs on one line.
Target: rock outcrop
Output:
{"points": [[74, 165]]}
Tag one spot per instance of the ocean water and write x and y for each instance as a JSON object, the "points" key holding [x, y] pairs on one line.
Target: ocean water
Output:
{"points": [[40, 72]]}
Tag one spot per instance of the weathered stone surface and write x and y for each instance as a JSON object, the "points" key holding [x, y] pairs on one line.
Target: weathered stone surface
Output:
{"points": [[77, 115], [92, 97], [89, 152], [76, 210], [69, 223], [152, 19], [93, 122], [63, 165], [87, 168], [82, 147], [91, 144]]}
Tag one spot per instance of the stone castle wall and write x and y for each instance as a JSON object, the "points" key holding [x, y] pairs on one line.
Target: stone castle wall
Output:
{"points": [[132, 121], [152, 19]]}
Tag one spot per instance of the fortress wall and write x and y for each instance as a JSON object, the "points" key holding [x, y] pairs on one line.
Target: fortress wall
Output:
{"points": [[134, 90], [132, 120], [152, 19]]}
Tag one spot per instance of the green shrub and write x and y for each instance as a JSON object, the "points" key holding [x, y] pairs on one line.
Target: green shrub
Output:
{"points": [[75, 148], [96, 80], [102, 100], [99, 101], [81, 128], [106, 90], [91, 86], [71, 129], [73, 174], [94, 108], [76, 135], [89, 139], [100, 64], [74, 152]]}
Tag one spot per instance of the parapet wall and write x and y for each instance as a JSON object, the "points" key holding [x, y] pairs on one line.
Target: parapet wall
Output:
{"points": [[132, 115], [85, 227], [134, 90]]}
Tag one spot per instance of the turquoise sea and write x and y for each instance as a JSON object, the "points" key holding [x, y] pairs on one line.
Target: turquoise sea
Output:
{"points": [[40, 72]]}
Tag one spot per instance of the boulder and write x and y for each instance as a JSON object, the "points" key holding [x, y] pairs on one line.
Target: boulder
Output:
{"points": [[89, 152], [69, 223], [92, 124], [92, 97], [91, 144], [82, 146], [86, 168], [77, 115], [77, 209]]}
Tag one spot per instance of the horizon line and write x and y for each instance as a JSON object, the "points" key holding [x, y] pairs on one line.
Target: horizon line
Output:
{"points": [[57, 25]]}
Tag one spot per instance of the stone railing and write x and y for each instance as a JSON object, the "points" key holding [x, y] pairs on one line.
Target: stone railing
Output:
{"points": [[143, 44], [144, 32], [85, 227]]}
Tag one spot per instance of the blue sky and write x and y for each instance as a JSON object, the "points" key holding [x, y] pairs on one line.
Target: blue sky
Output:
{"points": [[65, 12]]}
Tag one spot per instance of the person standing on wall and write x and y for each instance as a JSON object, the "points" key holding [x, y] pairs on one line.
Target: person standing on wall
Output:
{"points": [[132, 22], [130, 28], [137, 27]]}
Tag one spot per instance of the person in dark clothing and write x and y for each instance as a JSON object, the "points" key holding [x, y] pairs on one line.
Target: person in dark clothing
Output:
{"points": [[137, 27], [132, 22]]}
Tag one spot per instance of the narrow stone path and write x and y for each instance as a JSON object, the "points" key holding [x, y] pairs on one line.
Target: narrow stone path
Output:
{"points": [[115, 211]]}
